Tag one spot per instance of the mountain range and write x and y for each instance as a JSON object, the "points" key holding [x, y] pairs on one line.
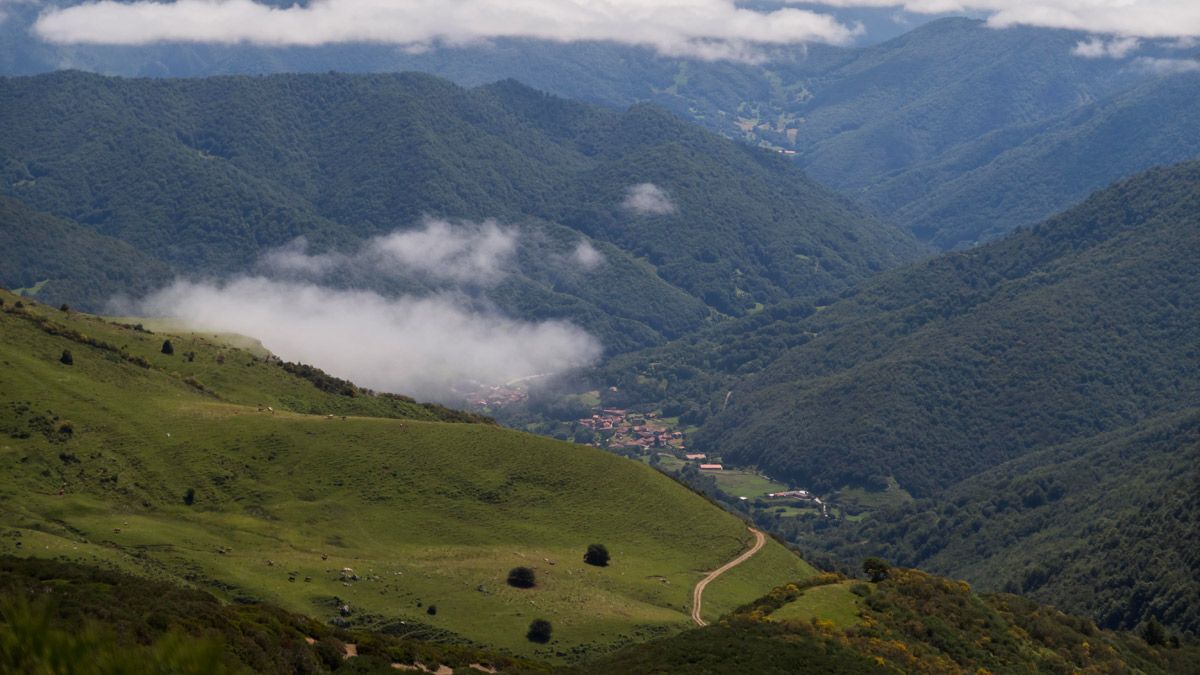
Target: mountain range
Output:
{"points": [[936, 127], [923, 301], [210, 188]]}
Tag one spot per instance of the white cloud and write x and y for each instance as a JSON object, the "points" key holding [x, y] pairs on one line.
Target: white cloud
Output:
{"points": [[1129, 18], [1166, 66], [428, 346], [586, 256], [463, 252], [421, 346], [647, 199], [440, 250], [1098, 48], [706, 29]]}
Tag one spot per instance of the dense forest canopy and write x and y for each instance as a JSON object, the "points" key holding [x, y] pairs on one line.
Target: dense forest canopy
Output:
{"points": [[205, 176]]}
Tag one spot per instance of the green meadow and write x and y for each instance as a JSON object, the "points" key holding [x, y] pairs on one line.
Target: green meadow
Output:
{"points": [[831, 602], [741, 483], [291, 485]]}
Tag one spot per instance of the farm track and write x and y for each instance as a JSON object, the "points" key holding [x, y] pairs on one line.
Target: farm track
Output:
{"points": [[698, 591]]}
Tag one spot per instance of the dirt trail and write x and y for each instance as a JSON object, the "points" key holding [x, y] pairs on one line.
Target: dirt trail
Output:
{"points": [[698, 591]]}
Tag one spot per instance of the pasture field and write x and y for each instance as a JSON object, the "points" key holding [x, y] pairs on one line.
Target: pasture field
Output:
{"points": [[99, 458], [893, 495], [831, 602], [743, 483]]}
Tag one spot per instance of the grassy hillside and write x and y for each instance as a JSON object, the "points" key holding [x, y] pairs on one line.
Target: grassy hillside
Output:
{"points": [[225, 471], [80, 620], [207, 187]]}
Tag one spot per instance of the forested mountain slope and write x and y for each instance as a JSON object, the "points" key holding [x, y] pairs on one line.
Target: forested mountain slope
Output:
{"points": [[75, 262], [1105, 526], [207, 175], [1086, 323], [941, 124], [945, 83]]}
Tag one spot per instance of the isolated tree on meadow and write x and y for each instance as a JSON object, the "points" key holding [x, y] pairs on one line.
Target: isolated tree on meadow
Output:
{"points": [[539, 631], [521, 577], [67, 358], [876, 569], [168, 348], [597, 554]]}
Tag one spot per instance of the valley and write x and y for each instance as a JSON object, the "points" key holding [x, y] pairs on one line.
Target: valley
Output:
{"points": [[882, 428], [695, 337]]}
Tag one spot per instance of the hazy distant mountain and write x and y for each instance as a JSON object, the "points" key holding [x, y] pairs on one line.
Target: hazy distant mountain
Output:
{"points": [[1022, 174], [934, 125]]}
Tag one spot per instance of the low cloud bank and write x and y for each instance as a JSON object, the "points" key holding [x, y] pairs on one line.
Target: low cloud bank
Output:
{"points": [[1128, 18], [428, 347], [703, 29], [432, 346]]}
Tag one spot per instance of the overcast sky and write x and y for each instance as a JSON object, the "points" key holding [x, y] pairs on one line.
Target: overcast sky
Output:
{"points": [[708, 29]]}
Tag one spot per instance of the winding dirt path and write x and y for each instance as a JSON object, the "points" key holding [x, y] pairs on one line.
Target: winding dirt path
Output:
{"points": [[698, 591]]}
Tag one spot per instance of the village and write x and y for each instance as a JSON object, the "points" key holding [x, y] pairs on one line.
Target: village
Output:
{"points": [[617, 429], [648, 436], [658, 440]]}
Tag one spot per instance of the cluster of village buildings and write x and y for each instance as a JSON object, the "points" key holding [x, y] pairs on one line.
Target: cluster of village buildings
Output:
{"points": [[623, 429]]}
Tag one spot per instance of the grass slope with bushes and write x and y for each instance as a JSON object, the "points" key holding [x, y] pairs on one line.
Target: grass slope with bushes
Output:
{"points": [[224, 471], [909, 622]]}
